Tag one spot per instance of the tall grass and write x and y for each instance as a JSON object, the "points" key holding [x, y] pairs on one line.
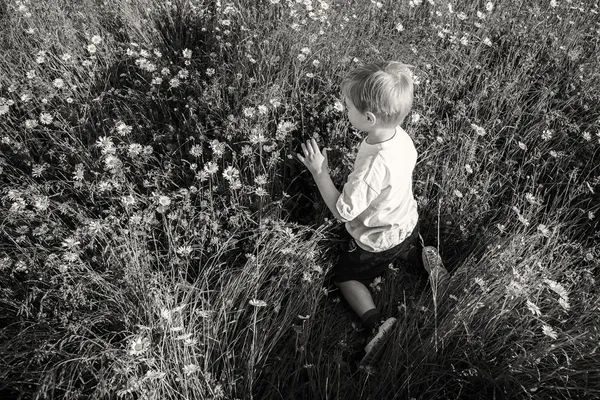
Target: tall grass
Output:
{"points": [[158, 239]]}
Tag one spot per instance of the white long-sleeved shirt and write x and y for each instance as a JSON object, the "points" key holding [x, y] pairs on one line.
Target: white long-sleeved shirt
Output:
{"points": [[377, 202]]}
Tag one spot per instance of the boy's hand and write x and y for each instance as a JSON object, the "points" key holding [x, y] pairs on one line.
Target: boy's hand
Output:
{"points": [[313, 159]]}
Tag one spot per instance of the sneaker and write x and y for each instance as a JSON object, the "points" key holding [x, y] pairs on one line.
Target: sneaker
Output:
{"points": [[438, 275], [377, 340]]}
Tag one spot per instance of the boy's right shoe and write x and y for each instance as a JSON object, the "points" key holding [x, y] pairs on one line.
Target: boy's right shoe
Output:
{"points": [[377, 340], [438, 275]]}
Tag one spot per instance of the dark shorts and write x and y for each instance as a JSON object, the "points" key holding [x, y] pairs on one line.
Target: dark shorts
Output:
{"points": [[357, 264]]}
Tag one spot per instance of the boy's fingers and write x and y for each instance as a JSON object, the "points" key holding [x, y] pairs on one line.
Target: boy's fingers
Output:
{"points": [[300, 158], [309, 148], [304, 149], [314, 145]]}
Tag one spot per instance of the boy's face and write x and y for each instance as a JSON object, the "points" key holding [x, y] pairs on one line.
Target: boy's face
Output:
{"points": [[358, 120]]}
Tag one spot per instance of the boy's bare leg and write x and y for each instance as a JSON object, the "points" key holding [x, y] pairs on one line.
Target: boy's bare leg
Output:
{"points": [[357, 295]]}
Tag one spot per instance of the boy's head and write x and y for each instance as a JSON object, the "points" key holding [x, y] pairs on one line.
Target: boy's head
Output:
{"points": [[378, 94]]}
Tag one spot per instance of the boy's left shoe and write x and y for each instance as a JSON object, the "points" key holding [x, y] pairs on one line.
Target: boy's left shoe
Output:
{"points": [[377, 340]]}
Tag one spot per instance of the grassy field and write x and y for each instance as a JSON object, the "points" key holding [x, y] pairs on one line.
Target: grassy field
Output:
{"points": [[159, 240]]}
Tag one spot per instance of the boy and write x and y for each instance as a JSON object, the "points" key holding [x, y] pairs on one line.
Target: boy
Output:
{"points": [[376, 203]]}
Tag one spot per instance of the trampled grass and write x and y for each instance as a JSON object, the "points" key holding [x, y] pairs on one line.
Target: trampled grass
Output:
{"points": [[159, 239]]}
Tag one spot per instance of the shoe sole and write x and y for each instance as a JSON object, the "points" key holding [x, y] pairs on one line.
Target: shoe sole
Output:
{"points": [[378, 346]]}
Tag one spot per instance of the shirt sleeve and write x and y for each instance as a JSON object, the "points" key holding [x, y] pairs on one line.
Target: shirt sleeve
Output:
{"points": [[362, 187]]}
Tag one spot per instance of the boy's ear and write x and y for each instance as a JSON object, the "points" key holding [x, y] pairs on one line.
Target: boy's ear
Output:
{"points": [[371, 118]]}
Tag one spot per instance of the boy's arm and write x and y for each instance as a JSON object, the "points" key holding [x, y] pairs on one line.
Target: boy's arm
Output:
{"points": [[329, 192]]}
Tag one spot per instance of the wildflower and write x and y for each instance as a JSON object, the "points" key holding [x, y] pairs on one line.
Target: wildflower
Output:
{"points": [[458, 193], [135, 149], [260, 180], [187, 53], [248, 112], [462, 16], [310, 75], [183, 74], [96, 39], [480, 15], [523, 146], [3, 109], [247, 151], [230, 173], [514, 288], [535, 310], [164, 201], [139, 345], [202, 176], [543, 230], [489, 6], [257, 303], [91, 48], [262, 109], [157, 53], [553, 3], [301, 57], [564, 303], [261, 192], [218, 148], [46, 118], [587, 136], [190, 369], [547, 134], [30, 74], [557, 288], [481, 283], [122, 128], [257, 136], [523, 220], [173, 83], [157, 80], [184, 250], [128, 200], [196, 150], [478, 129], [549, 331], [112, 162], [58, 83], [210, 71], [468, 169], [532, 199], [40, 58], [415, 118], [305, 50], [399, 27], [42, 203]]}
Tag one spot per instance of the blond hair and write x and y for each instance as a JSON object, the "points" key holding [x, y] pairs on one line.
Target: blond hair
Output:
{"points": [[383, 88]]}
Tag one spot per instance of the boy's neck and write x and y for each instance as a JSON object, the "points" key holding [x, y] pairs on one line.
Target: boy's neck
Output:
{"points": [[379, 135]]}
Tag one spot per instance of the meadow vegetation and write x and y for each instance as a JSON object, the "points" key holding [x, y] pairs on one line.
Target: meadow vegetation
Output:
{"points": [[159, 240]]}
